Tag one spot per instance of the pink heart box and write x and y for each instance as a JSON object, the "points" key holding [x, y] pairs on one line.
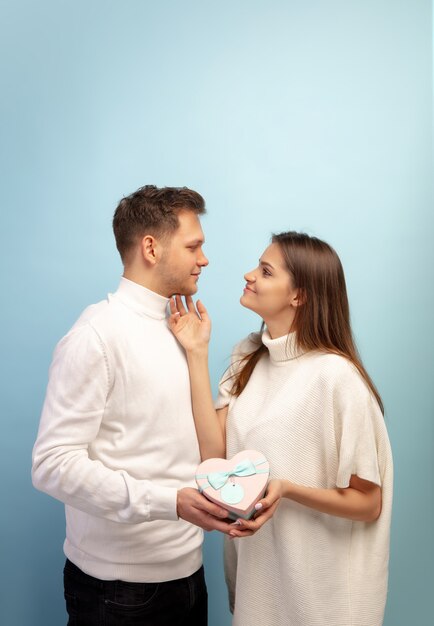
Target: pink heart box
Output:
{"points": [[236, 484]]}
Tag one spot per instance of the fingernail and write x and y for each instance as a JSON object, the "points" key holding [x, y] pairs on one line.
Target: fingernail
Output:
{"points": [[258, 506], [237, 523]]}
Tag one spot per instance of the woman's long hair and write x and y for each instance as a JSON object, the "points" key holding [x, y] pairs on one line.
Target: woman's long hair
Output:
{"points": [[322, 321]]}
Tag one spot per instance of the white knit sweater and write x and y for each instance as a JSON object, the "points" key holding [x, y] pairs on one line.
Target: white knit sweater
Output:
{"points": [[316, 421], [117, 440]]}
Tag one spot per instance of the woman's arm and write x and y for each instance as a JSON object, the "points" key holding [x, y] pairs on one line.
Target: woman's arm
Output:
{"points": [[192, 328], [210, 424], [360, 501]]}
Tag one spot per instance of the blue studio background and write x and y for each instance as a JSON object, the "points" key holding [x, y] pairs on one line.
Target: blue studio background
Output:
{"points": [[287, 114]]}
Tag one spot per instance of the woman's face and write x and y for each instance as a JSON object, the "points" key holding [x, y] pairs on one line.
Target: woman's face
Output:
{"points": [[269, 291]]}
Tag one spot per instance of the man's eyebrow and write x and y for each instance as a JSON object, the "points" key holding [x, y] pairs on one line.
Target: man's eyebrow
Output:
{"points": [[196, 242]]}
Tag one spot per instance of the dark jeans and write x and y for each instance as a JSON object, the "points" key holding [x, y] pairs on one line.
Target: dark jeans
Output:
{"points": [[94, 602]]}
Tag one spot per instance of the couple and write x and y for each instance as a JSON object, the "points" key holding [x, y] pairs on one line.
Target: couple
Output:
{"points": [[128, 416]]}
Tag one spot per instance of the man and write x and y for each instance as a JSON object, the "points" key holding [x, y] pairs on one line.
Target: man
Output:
{"points": [[117, 441]]}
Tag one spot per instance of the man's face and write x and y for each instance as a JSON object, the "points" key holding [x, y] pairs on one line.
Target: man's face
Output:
{"points": [[183, 258]]}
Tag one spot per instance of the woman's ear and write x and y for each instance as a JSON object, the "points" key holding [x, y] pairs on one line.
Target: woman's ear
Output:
{"points": [[298, 298]]}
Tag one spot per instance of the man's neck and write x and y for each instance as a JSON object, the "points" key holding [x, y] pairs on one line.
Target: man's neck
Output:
{"points": [[144, 280]]}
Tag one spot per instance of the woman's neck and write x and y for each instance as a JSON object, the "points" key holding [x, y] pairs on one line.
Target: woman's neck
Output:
{"points": [[279, 328]]}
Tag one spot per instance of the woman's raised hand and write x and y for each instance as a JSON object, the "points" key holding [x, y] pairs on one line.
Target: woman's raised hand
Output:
{"points": [[190, 324]]}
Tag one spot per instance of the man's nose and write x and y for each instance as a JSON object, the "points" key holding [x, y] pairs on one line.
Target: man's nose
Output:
{"points": [[203, 261]]}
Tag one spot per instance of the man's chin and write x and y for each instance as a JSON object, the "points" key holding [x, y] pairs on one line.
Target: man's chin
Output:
{"points": [[188, 291]]}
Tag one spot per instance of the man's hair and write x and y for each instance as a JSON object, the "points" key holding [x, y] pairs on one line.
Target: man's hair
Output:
{"points": [[152, 211]]}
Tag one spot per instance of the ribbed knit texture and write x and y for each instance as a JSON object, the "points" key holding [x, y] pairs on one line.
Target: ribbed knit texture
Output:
{"points": [[117, 440], [317, 423]]}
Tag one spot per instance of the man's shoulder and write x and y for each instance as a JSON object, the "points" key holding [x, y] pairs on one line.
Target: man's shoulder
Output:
{"points": [[94, 330], [97, 318], [94, 315]]}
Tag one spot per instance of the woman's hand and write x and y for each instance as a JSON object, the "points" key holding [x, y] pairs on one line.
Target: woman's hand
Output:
{"points": [[191, 326], [266, 509]]}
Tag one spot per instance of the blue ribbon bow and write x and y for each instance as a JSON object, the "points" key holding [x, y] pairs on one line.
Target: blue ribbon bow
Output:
{"points": [[244, 468]]}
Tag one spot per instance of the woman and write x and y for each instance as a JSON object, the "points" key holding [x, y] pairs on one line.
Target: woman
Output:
{"points": [[299, 393]]}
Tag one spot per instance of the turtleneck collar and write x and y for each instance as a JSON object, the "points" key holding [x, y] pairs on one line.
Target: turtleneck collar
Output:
{"points": [[142, 300], [283, 348]]}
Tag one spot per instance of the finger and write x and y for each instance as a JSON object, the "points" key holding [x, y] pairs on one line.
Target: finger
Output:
{"points": [[260, 518], [242, 525], [209, 522], [264, 514], [266, 505], [240, 533], [214, 524], [174, 317], [172, 321], [206, 506], [180, 305], [262, 505], [202, 310], [267, 501], [190, 304]]}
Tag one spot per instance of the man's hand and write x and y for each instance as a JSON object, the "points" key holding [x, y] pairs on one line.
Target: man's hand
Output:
{"points": [[196, 509]]}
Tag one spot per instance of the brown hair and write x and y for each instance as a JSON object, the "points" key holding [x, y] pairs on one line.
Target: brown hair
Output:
{"points": [[322, 322], [152, 210]]}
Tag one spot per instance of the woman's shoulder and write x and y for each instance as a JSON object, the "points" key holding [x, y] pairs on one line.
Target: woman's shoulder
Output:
{"points": [[336, 367], [241, 349], [340, 372], [247, 345]]}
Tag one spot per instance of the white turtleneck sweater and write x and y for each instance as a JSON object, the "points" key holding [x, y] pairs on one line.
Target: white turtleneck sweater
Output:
{"points": [[316, 421], [117, 440]]}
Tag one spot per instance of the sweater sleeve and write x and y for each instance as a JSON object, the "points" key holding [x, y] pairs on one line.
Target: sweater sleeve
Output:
{"points": [[79, 384], [357, 417]]}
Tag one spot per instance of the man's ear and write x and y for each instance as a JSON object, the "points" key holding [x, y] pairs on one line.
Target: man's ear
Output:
{"points": [[298, 298], [151, 249]]}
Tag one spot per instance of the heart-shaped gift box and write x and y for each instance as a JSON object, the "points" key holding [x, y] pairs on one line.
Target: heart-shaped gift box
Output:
{"points": [[236, 484]]}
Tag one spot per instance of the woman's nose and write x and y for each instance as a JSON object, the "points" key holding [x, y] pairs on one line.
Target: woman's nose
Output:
{"points": [[249, 277]]}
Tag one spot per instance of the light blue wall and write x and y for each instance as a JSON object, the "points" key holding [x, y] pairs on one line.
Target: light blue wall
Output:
{"points": [[313, 115]]}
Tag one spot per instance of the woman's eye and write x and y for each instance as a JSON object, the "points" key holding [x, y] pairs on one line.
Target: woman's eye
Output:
{"points": [[265, 272]]}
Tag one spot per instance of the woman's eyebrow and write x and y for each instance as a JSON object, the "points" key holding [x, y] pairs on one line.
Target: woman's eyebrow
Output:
{"points": [[266, 263]]}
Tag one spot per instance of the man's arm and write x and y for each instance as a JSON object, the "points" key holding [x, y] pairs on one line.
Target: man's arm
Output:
{"points": [[79, 385]]}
